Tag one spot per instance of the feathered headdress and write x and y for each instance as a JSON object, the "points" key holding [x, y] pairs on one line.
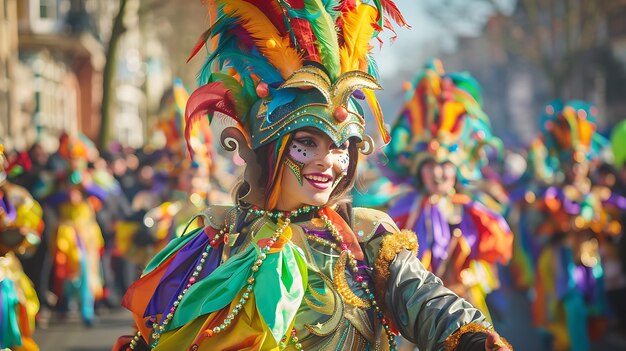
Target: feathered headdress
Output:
{"points": [[568, 134], [280, 65], [199, 136], [441, 119]]}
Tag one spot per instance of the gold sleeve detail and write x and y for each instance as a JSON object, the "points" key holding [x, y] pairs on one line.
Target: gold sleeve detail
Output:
{"points": [[389, 248], [452, 342]]}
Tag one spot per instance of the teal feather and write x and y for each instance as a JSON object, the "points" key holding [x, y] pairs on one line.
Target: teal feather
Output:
{"points": [[250, 63], [372, 66], [332, 7], [207, 67]]}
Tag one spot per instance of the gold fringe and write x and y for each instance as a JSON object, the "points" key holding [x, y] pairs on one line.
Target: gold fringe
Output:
{"points": [[452, 342], [389, 248]]}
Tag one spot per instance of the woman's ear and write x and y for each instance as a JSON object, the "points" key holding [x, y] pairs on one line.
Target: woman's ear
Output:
{"points": [[233, 139]]}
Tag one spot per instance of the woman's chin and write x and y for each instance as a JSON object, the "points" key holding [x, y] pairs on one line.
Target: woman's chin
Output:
{"points": [[319, 200]]}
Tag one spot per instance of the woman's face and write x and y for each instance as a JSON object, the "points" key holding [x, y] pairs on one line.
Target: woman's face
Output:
{"points": [[321, 165], [438, 178]]}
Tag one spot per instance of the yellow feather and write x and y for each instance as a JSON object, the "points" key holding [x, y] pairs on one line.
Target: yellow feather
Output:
{"points": [[271, 44], [357, 32]]}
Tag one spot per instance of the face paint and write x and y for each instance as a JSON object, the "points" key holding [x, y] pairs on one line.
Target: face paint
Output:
{"points": [[304, 150], [315, 167], [295, 167]]}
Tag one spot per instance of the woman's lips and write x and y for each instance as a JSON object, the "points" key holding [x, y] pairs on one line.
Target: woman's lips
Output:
{"points": [[319, 180]]}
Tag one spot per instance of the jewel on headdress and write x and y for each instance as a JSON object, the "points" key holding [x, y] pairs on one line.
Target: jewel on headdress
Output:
{"points": [[340, 113], [262, 90], [433, 146]]}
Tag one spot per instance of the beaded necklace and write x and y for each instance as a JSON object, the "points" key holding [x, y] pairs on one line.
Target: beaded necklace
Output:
{"points": [[285, 216]]}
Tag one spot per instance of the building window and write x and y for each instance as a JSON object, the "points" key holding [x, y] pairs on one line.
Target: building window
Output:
{"points": [[47, 9]]}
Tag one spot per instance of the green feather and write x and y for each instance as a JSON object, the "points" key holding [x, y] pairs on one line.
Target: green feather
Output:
{"points": [[324, 29], [242, 99]]}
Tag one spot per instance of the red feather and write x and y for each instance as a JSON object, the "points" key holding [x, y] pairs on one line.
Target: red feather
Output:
{"points": [[305, 38], [346, 6], [387, 24], [296, 4], [392, 10], [206, 100], [199, 44]]}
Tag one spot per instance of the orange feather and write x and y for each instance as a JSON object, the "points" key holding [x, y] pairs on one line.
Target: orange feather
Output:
{"points": [[276, 48], [357, 33]]}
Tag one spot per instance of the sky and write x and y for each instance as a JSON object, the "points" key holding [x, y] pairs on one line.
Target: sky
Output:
{"points": [[427, 38]]}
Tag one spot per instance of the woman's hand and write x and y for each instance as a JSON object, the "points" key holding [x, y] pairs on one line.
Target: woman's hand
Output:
{"points": [[495, 343]]}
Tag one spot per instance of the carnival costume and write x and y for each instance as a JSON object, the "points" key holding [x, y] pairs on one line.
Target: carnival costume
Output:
{"points": [[20, 227], [314, 278], [564, 225], [77, 242], [462, 235]]}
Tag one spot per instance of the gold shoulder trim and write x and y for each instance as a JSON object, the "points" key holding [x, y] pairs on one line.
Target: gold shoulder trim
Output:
{"points": [[365, 221], [389, 248]]}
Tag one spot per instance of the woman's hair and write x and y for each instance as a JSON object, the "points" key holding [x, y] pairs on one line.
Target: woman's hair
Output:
{"points": [[271, 160]]}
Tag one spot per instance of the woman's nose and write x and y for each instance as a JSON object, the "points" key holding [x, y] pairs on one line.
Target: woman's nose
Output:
{"points": [[325, 160], [438, 171]]}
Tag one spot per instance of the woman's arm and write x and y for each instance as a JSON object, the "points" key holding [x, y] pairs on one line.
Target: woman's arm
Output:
{"points": [[421, 308], [430, 315]]}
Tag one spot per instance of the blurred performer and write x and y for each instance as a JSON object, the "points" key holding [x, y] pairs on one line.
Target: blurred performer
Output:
{"points": [[292, 265], [193, 190], [20, 226], [565, 224], [77, 242], [439, 147]]}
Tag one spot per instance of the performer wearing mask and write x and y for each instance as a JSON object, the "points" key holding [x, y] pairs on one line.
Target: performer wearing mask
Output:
{"points": [[566, 223], [440, 145], [292, 265]]}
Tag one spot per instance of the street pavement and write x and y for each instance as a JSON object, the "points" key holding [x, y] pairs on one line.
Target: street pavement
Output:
{"points": [[72, 335]]}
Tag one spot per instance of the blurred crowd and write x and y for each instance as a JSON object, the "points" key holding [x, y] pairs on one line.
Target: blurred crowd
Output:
{"points": [[105, 215]]}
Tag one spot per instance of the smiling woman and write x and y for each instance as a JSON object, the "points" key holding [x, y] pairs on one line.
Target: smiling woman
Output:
{"points": [[292, 265], [317, 170]]}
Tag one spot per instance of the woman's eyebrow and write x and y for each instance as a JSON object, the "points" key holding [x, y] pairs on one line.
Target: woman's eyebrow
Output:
{"points": [[303, 134]]}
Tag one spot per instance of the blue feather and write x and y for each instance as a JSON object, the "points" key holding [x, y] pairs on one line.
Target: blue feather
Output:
{"points": [[279, 98]]}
